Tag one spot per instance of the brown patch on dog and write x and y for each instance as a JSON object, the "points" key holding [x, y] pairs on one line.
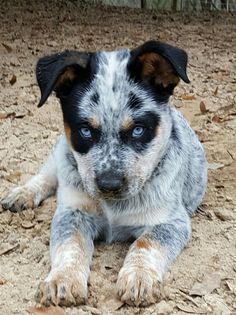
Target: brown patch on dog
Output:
{"points": [[67, 76], [157, 131], [127, 123], [67, 132], [155, 66], [94, 123], [143, 243]]}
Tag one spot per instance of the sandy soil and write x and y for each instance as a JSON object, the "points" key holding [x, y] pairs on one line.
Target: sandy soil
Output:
{"points": [[202, 280]]}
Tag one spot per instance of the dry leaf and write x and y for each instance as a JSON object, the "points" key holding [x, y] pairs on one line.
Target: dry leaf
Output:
{"points": [[191, 309], [8, 249], [3, 115], [215, 166], [224, 214], [111, 304], [188, 97], [2, 281], [203, 108], [13, 80], [216, 91], [52, 310], [27, 225], [8, 48], [209, 284], [91, 309], [217, 119]]}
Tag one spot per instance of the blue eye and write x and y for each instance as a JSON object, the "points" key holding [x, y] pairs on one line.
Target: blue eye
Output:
{"points": [[138, 131], [85, 132]]}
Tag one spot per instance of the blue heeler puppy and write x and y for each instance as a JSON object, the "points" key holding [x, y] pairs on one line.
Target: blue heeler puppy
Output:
{"points": [[128, 167]]}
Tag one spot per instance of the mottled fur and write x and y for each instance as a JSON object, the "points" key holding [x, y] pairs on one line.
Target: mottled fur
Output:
{"points": [[128, 167]]}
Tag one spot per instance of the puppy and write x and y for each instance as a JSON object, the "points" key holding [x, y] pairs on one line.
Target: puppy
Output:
{"points": [[127, 167]]}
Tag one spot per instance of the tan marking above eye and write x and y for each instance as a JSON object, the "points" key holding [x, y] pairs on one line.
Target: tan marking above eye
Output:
{"points": [[127, 123], [67, 132], [94, 123]]}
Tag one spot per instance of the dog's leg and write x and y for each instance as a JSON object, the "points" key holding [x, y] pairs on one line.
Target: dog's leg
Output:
{"points": [[72, 235], [147, 260], [37, 189]]}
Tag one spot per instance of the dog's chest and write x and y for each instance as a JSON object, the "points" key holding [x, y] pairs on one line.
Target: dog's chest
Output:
{"points": [[133, 216]]}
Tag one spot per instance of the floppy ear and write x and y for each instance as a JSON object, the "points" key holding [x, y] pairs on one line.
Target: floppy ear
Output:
{"points": [[58, 72], [160, 64]]}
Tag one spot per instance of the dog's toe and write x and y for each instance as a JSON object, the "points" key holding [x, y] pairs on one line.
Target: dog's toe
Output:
{"points": [[63, 289], [138, 286], [18, 199]]}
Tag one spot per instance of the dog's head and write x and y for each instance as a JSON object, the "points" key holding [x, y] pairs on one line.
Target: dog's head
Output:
{"points": [[115, 111]]}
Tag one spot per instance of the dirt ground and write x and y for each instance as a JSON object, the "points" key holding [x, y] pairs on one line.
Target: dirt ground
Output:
{"points": [[203, 278]]}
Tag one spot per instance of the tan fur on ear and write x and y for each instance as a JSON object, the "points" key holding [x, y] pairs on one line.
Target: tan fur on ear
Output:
{"points": [[67, 76], [155, 66]]}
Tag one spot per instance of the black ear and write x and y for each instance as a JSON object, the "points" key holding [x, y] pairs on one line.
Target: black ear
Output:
{"points": [[160, 64], [58, 72]]}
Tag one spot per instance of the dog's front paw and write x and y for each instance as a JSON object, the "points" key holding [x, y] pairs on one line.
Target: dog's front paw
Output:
{"points": [[18, 199], [64, 287], [138, 285]]}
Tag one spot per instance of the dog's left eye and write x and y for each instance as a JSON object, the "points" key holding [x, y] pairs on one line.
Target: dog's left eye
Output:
{"points": [[138, 131], [85, 132]]}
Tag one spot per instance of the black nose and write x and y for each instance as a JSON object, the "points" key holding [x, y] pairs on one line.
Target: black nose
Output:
{"points": [[110, 182]]}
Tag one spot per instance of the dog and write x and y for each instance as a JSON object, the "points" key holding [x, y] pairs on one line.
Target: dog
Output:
{"points": [[128, 167]]}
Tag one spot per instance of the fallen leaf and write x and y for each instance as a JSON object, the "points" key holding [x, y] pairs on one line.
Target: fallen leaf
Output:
{"points": [[52, 310], [27, 225], [191, 309], [187, 97], [7, 115], [111, 304], [224, 214], [215, 166], [217, 119], [216, 91], [91, 309], [2, 281], [13, 80], [217, 305], [8, 48], [8, 249], [209, 284], [3, 115], [203, 108]]}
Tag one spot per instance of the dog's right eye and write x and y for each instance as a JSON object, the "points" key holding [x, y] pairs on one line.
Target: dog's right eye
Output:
{"points": [[85, 132]]}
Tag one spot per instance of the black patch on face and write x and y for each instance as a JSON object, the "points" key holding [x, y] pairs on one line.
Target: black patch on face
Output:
{"points": [[95, 98], [71, 115], [83, 145], [134, 101], [150, 122]]}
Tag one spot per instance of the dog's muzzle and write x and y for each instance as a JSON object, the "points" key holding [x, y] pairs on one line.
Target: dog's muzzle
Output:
{"points": [[110, 183]]}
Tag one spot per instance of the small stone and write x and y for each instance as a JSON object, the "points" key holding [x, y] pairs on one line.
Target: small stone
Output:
{"points": [[163, 308]]}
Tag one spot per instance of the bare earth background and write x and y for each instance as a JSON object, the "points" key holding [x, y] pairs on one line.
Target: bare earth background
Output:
{"points": [[29, 31]]}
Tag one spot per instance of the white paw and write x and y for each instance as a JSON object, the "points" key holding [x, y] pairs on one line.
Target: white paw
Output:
{"points": [[63, 287], [18, 199], [138, 285]]}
